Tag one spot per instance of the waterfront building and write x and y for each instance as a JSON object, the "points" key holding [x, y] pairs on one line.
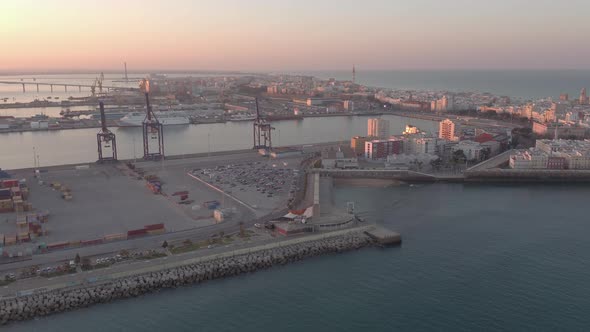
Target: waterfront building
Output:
{"points": [[549, 116], [443, 104], [414, 161], [448, 130], [357, 144], [380, 149], [572, 117], [563, 129], [349, 105], [378, 128], [559, 108], [410, 130], [420, 145], [583, 97], [554, 154], [527, 111], [472, 150], [343, 158], [528, 159]]}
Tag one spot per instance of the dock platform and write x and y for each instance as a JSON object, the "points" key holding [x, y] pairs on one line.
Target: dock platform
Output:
{"points": [[384, 236]]}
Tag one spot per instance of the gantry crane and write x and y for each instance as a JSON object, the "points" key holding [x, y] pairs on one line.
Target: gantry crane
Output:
{"points": [[262, 131], [106, 140], [153, 130]]}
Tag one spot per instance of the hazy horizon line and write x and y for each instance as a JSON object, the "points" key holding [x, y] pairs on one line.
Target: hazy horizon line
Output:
{"points": [[262, 71]]}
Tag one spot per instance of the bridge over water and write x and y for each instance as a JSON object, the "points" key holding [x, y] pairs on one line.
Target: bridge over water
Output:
{"points": [[65, 86]]}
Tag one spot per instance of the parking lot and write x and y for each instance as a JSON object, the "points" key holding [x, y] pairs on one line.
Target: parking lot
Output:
{"points": [[263, 185]]}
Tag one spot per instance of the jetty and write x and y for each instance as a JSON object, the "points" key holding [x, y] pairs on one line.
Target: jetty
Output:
{"points": [[383, 236]]}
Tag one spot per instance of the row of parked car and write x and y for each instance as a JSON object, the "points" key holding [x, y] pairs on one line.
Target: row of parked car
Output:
{"points": [[266, 178]]}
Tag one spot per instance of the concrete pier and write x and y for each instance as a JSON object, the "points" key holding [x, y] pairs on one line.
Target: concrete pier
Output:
{"points": [[384, 236], [38, 303]]}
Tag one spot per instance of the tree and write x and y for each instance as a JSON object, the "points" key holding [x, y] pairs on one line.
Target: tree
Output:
{"points": [[77, 259], [459, 157], [436, 164], [86, 263], [165, 244]]}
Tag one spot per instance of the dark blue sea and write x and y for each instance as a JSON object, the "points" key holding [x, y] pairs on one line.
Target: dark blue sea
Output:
{"points": [[474, 258]]}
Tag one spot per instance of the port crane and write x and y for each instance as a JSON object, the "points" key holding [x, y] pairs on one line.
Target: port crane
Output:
{"points": [[106, 140], [153, 130], [99, 81], [262, 131]]}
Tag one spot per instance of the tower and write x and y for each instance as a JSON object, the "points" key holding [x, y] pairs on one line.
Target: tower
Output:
{"points": [[126, 77], [378, 128], [447, 130], [353, 74]]}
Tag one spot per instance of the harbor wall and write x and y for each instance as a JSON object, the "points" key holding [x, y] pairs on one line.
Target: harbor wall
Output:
{"points": [[61, 300]]}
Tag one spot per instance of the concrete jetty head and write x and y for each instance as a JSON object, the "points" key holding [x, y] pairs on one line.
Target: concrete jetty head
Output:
{"points": [[384, 236]]}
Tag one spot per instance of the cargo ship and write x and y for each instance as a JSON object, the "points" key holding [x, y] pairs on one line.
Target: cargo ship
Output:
{"points": [[135, 119]]}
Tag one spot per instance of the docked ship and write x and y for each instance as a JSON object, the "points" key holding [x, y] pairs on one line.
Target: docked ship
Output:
{"points": [[135, 119]]}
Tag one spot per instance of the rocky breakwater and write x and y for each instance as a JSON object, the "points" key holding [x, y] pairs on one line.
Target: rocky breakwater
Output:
{"points": [[42, 304]]}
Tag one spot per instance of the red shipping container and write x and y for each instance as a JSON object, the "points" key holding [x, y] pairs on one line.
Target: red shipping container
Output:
{"points": [[91, 242], [137, 232], [9, 183], [153, 227], [58, 245]]}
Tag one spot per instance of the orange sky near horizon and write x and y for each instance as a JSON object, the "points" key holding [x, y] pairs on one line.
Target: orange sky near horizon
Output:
{"points": [[289, 35]]}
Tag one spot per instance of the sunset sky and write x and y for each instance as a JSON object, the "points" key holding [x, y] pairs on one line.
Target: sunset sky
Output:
{"points": [[294, 35]]}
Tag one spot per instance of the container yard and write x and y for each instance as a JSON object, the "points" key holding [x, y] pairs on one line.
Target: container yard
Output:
{"points": [[83, 206]]}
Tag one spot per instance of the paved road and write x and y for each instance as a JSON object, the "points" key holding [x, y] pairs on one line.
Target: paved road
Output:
{"points": [[133, 267]]}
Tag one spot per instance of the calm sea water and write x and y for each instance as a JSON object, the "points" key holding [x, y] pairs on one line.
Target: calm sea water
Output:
{"points": [[528, 84], [474, 258], [79, 146]]}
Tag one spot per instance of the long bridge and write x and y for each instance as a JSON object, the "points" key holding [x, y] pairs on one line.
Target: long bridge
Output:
{"points": [[66, 85]]}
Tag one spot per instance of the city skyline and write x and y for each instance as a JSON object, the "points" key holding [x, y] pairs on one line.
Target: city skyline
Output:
{"points": [[293, 35]]}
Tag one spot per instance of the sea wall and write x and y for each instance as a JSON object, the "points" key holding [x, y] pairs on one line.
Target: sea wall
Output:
{"points": [[363, 182], [42, 304]]}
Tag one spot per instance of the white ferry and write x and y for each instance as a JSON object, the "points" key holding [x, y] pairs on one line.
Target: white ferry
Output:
{"points": [[135, 119]]}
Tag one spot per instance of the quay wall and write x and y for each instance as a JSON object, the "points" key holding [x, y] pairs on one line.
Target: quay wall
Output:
{"points": [[378, 174], [61, 300], [528, 175]]}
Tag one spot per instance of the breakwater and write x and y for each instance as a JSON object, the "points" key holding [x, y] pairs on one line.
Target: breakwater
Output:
{"points": [[61, 300]]}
